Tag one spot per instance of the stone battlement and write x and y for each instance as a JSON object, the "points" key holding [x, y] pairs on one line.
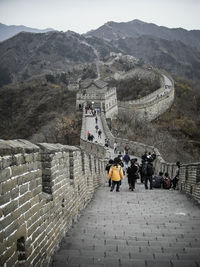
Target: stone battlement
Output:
{"points": [[43, 188]]}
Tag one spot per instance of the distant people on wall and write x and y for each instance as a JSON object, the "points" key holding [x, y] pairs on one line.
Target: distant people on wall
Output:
{"points": [[126, 148], [97, 128], [126, 160], [115, 148], [99, 133]]}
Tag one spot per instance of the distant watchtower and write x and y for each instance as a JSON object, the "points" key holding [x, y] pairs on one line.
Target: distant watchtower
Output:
{"points": [[98, 95]]}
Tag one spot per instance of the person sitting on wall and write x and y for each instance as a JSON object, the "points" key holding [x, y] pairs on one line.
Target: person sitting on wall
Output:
{"points": [[166, 181]]}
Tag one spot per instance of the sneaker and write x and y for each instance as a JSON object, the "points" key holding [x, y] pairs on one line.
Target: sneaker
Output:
{"points": [[111, 190]]}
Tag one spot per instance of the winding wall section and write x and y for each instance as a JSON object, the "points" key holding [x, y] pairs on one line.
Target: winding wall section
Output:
{"points": [[153, 105]]}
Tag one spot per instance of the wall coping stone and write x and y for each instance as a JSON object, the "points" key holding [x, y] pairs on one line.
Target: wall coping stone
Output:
{"points": [[11, 147], [53, 148]]}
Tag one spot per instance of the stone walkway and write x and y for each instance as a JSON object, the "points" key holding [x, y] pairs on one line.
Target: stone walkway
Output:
{"points": [[90, 126], [144, 228]]}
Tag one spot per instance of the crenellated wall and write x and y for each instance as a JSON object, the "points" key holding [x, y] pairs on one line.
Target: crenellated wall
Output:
{"points": [[43, 188], [153, 105]]}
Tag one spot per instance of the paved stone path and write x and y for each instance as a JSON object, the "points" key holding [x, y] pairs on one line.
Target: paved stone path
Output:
{"points": [[90, 126], [145, 228]]}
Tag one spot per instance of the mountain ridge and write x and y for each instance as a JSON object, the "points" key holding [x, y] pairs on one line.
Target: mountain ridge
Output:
{"points": [[135, 28], [8, 31]]}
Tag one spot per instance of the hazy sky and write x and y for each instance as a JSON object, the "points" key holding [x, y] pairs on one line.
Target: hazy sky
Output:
{"points": [[83, 15]]}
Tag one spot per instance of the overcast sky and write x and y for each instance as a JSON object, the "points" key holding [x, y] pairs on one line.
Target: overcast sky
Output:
{"points": [[83, 15]]}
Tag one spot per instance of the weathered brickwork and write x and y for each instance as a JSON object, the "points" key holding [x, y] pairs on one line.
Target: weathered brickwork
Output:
{"points": [[43, 188], [153, 105]]}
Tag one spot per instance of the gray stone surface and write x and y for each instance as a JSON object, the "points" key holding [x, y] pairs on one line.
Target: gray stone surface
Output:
{"points": [[142, 228]]}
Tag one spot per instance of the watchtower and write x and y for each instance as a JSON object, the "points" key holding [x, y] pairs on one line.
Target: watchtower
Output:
{"points": [[97, 94]]}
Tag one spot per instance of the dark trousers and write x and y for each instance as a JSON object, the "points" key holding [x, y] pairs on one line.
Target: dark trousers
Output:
{"points": [[131, 182], [148, 178], [175, 183], [118, 183]]}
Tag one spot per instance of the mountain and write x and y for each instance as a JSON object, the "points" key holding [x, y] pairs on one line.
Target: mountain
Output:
{"points": [[175, 50], [136, 28], [7, 32], [29, 54], [173, 56]]}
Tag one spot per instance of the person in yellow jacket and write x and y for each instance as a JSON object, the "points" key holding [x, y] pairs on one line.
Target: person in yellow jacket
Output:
{"points": [[116, 174]]}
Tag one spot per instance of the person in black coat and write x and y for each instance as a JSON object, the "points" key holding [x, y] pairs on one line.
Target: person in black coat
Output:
{"points": [[132, 173]]}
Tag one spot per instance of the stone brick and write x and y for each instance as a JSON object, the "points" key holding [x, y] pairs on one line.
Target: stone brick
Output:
{"points": [[7, 161], [23, 189], [21, 231], [24, 198], [19, 170], [5, 222], [14, 193], [5, 198], [21, 210], [12, 260], [9, 185], [10, 207], [7, 255], [5, 174], [32, 229], [28, 157], [10, 229], [18, 159], [32, 185]]}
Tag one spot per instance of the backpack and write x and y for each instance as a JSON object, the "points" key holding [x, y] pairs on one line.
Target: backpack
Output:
{"points": [[156, 182], [144, 169]]}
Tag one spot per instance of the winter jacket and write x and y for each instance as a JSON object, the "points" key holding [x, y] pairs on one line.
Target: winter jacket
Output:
{"points": [[132, 171], [116, 173]]}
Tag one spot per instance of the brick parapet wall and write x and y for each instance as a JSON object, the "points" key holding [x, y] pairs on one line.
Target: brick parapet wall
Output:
{"points": [[43, 188], [147, 109]]}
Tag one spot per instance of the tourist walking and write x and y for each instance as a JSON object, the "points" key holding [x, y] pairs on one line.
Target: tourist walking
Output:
{"points": [[126, 160], [96, 119], [97, 128], [126, 148], [115, 148], [132, 173], [149, 173], [108, 166], [116, 175], [99, 133]]}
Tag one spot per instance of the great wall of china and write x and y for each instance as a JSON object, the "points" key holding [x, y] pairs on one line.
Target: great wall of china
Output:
{"points": [[44, 187]]}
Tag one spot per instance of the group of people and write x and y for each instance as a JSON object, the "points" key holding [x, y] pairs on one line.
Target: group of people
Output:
{"points": [[98, 130], [124, 164]]}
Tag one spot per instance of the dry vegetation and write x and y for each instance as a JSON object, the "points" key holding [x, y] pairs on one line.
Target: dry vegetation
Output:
{"points": [[40, 112], [176, 133], [135, 88]]}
